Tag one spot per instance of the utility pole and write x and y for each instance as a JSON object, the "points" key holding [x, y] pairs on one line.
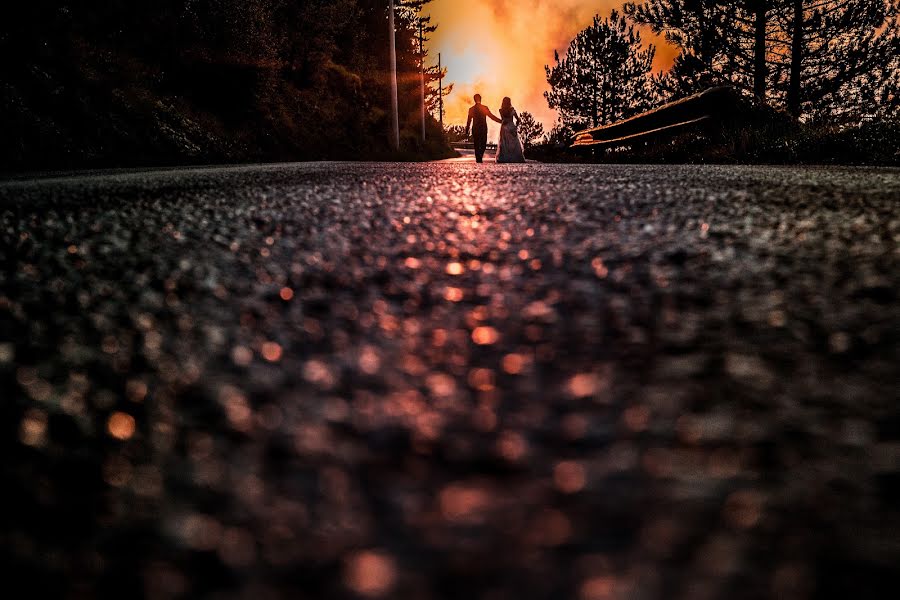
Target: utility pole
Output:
{"points": [[760, 8], [394, 108], [422, 74], [440, 92], [795, 86]]}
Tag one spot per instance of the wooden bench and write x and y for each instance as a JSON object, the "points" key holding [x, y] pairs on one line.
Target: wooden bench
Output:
{"points": [[691, 113]]}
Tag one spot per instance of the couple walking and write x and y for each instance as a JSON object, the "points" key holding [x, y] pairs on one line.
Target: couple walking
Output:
{"points": [[509, 148]]}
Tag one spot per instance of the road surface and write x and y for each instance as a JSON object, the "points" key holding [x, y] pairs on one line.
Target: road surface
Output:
{"points": [[451, 380]]}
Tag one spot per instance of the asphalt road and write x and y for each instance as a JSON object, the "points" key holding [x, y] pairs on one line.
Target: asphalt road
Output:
{"points": [[451, 380]]}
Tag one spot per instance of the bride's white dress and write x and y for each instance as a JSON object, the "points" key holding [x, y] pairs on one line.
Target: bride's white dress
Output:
{"points": [[509, 148]]}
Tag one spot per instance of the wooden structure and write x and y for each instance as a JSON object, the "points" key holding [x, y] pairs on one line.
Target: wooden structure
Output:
{"points": [[691, 113]]}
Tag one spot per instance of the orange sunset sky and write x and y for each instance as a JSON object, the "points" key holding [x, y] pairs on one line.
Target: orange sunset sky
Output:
{"points": [[499, 48]]}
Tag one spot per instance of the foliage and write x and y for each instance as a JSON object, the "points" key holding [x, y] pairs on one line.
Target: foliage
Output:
{"points": [[530, 129], [687, 76], [604, 75], [846, 59], [175, 81], [714, 49], [455, 133], [817, 58], [866, 143], [560, 136], [756, 134]]}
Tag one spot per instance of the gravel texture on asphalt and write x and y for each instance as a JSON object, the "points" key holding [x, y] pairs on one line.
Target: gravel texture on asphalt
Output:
{"points": [[451, 381]]}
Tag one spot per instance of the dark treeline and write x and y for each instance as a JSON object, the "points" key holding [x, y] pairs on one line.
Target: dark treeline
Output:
{"points": [[604, 76], [819, 79], [817, 59], [822, 61], [178, 81]]}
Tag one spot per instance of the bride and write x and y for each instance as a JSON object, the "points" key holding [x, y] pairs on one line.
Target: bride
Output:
{"points": [[509, 148]]}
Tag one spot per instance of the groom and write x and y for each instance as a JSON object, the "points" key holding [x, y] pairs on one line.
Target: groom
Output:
{"points": [[478, 115]]}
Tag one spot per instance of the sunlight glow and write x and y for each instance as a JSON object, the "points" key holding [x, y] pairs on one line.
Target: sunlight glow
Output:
{"points": [[499, 48]]}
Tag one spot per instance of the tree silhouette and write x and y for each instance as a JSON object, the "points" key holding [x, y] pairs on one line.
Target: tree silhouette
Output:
{"points": [[455, 133], [175, 80], [833, 50], [409, 13], [604, 75], [720, 42], [813, 57], [432, 95], [530, 129], [560, 136]]}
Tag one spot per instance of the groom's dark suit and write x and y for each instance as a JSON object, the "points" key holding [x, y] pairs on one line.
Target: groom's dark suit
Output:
{"points": [[478, 115]]}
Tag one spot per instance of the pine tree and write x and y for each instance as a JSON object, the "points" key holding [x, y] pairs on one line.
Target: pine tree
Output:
{"points": [[833, 49], [604, 75], [560, 136], [530, 129], [433, 77], [814, 57], [275, 78], [410, 57], [720, 42], [687, 75], [455, 133]]}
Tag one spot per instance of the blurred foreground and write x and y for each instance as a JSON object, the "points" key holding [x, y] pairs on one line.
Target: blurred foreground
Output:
{"points": [[451, 381]]}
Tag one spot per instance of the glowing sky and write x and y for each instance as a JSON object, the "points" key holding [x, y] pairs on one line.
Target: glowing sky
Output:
{"points": [[499, 48]]}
